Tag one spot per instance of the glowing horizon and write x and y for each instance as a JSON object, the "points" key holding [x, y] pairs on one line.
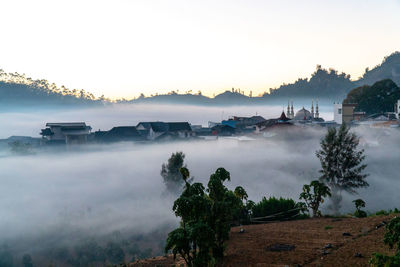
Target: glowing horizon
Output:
{"points": [[123, 48]]}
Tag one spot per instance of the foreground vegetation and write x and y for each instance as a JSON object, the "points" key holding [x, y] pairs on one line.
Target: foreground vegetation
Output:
{"points": [[392, 239], [207, 214]]}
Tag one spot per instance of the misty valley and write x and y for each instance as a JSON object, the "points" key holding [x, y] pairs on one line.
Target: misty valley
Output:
{"points": [[99, 204], [213, 133]]}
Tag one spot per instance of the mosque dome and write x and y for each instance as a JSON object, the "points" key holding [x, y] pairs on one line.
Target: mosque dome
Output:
{"points": [[303, 114]]}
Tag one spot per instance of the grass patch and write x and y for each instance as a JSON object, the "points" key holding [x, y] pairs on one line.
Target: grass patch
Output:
{"points": [[328, 227]]}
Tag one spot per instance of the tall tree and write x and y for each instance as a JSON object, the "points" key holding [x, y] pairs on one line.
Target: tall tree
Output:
{"points": [[170, 172], [205, 219], [341, 163]]}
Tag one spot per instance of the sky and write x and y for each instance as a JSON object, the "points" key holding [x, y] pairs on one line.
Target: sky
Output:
{"points": [[122, 48]]}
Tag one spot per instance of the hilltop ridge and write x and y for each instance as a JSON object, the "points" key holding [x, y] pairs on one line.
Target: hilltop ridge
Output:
{"points": [[17, 89]]}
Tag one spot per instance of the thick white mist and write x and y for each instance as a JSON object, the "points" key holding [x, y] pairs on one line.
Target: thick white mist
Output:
{"points": [[98, 189]]}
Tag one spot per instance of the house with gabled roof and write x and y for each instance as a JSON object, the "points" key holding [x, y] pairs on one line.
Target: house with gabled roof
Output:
{"points": [[119, 134], [160, 130], [281, 122], [243, 122], [66, 132]]}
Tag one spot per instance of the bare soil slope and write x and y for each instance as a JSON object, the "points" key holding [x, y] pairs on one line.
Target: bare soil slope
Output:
{"points": [[317, 242]]}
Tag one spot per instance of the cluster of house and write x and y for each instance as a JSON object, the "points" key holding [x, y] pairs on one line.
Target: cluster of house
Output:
{"points": [[79, 132], [345, 112]]}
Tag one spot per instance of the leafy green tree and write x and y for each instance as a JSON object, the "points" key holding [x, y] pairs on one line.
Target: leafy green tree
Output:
{"points": [[224, 204], [193, 239], [244, 211], [359, 203], [341, 163], [313, 195], [170, 172], [206, 216], [241, 193]]}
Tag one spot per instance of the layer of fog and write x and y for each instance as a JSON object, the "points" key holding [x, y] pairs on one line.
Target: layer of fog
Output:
{"points": [[61, 197], [30, 123]]}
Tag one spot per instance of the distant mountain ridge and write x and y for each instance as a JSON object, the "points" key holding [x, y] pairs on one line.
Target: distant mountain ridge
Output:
{"points": [[388, 69], [323, 84]]}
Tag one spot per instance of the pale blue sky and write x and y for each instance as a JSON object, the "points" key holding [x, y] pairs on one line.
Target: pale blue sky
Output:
{"points": [[121, 48]]}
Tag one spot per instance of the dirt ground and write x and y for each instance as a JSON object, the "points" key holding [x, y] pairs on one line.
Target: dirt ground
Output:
{"points": [[310, 237]]}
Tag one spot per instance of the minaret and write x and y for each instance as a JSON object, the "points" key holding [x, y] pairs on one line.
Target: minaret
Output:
{"points": [[288, 110], [316, 111], [312, 109], [291, 112]]}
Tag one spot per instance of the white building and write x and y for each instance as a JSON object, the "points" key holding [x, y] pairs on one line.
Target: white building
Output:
{"points": [[337, 113], [397, 109]]}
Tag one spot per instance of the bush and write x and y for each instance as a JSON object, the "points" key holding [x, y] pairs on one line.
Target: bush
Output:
{"points": [[392, 238], [380, 260], [382, 212], [287, 208], [387, 212], [359, 213]]}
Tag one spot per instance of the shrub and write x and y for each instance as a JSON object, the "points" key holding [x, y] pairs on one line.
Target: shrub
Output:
{"points": [[392, 238], [392, 234], [360, 214], [284, 208], [359, 203], [382, 212], [387, 212], [380, 260]]}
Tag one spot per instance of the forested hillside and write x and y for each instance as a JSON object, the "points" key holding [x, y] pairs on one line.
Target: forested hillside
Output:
{"points": [[322, 84], [388, 69], [378, 98], [17, 89]]}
